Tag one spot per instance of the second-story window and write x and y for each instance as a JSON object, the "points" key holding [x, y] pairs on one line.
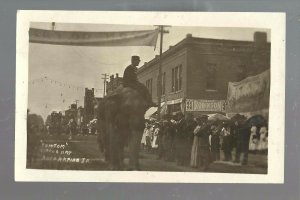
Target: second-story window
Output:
{"points": [[176, 78], [211, 77], [180, 77], [149, 85], [163, 83], [173, 80]]}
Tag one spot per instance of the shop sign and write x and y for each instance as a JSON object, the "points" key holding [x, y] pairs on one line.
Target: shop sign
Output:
{"points": [[176, 101], [205, 105]]}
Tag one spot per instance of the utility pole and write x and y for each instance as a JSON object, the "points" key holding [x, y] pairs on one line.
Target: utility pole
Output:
{"points": [[159, 82], [105, 77], [53, 26]]}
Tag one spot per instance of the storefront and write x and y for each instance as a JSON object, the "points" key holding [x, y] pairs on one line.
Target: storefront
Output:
{"points": [[195, 106], [175, 106]]}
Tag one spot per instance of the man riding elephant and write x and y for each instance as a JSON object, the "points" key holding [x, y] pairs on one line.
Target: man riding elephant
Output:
{"points": [[130, 80], [121, 115]]}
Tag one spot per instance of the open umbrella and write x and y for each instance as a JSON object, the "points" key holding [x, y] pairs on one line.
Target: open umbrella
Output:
{"points": [[217, 117], [150, 112], [238, 117], [255, 120], [93, 121]]}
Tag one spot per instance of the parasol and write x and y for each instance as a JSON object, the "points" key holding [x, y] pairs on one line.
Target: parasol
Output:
{"points": [[217, 117], [151, 111], [238, 117], [255, 120], [93, 121]]}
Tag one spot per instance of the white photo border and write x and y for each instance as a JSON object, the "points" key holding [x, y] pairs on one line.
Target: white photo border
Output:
{"points": [[276, 22]]}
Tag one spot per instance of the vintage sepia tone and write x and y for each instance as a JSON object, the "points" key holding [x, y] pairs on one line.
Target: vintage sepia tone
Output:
{"points": [[154, 98]]}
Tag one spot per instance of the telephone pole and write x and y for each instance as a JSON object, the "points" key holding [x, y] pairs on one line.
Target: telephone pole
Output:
{"points": [[159, 82], [53, 26], [105, 77]]}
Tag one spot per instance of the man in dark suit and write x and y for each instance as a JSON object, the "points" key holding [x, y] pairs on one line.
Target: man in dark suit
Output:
{"points": [[130, 80], [180, 139], [242, 133]]}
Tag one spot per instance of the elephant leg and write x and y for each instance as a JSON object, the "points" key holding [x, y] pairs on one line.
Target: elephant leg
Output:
{"points": [[134, 147], [114, 149], [107, 154], [106, 145], [121, 153]]}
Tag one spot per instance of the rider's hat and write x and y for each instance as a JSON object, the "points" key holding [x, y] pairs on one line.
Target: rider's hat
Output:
{"points": [[134, 58]]}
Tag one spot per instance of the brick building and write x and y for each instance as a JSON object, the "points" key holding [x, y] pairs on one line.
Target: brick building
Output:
{"points": [[196, 71], [71, 113], [113, 83], [80, 116], [88, 105]]}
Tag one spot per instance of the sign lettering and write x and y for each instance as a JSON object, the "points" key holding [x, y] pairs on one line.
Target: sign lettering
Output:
{"points": [[205, 105]]}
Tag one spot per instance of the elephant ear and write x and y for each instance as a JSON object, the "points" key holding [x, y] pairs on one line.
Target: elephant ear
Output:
{"points": [[100, 109], [113, 103], [116, 98]]}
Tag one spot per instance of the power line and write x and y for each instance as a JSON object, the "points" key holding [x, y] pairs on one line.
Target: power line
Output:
{"points": [[60, 83]]}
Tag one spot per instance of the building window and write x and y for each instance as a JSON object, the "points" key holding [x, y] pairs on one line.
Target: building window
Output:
{"points": [[211, 77], [149, 85], [180, 77], [173, 80], [163, 82], [177, 78]]}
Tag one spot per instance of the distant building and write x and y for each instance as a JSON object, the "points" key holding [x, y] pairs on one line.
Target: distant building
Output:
{"points": [[71, 113], [113, 83], [88, 105], [80, 116], [75, 113], [196, 71]]}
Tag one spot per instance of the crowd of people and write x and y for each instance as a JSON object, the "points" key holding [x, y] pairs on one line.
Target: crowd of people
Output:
{"points": [[197, 142]]}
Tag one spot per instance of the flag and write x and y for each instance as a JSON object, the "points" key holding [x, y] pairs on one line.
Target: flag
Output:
{"points": [[77, 38]]}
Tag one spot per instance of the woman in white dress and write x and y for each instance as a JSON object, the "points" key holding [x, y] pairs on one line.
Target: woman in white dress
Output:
{"points": [[263, 140], [145, 135], [155, 137], [253, 141]]}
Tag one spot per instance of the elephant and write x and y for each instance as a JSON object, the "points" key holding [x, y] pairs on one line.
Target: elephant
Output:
{"points": [[120, 118]]}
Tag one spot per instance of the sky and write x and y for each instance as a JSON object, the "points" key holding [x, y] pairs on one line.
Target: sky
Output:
{"points": [[83, 66]]}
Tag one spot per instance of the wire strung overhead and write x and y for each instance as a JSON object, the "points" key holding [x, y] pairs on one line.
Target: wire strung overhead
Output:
{"points": [[45, 79], [62, 98]]}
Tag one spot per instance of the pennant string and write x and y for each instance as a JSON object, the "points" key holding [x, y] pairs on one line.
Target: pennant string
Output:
{"points": [[59, 83]]}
